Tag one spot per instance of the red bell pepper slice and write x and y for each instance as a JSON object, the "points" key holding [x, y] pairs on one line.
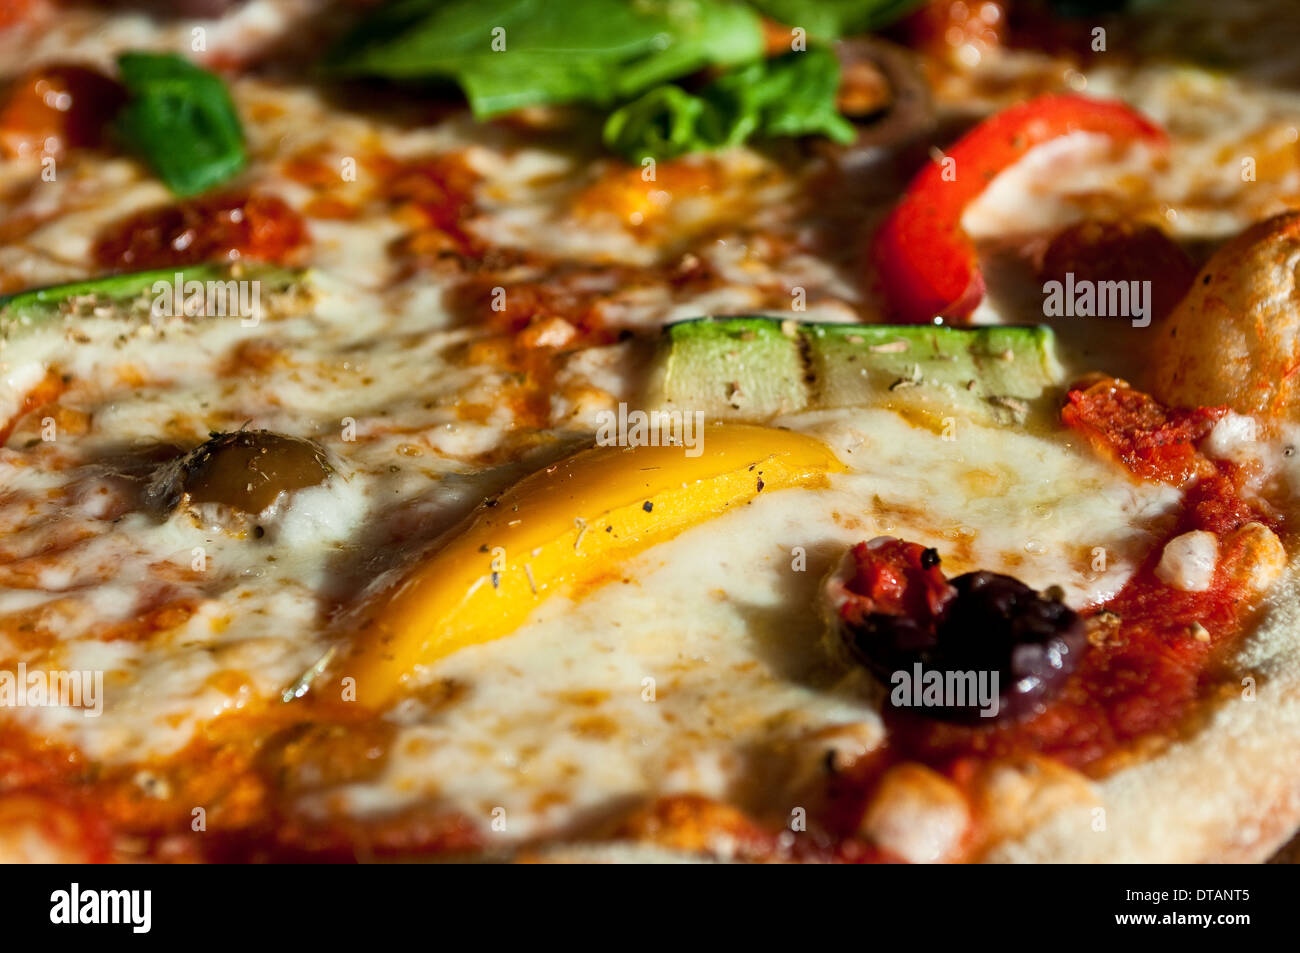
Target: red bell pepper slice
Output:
{"points": [[926, 263]]}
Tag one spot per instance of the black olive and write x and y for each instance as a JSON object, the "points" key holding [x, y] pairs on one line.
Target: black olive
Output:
{"points": [[246, 470], [994, 623], [1034, 640]]}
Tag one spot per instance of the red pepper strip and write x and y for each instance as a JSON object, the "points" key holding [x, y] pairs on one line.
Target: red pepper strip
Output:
{"points": [[926, 262]]}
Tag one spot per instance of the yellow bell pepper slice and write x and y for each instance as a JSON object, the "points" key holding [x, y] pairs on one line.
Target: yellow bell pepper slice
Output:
{"points": [[563, 525]]}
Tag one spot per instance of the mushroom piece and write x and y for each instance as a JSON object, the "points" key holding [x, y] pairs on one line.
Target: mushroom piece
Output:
{"points": [[245, 470]]}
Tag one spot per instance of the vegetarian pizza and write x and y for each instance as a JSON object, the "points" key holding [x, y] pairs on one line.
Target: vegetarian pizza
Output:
{"points": [[734, 430]]}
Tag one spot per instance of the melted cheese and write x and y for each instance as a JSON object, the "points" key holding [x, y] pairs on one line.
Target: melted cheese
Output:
{"points": [[700, 666], [733, 596], [722, 621]]}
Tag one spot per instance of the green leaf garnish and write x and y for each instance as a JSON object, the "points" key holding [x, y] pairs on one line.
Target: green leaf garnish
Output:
{"points": [[181, 120], [790, 96], [793, 95], [507, 54], [664, 123]]}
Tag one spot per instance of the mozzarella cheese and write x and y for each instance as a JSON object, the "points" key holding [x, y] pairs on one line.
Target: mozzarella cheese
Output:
{"points": [[1188, 561], [699, 666], [694, 660]]}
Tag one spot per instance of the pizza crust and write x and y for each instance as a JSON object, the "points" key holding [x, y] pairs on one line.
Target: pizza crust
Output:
{"points": [[1228, 794]]}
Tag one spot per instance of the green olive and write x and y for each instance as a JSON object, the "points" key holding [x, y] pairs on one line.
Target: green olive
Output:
{"points": [[246, 470]]}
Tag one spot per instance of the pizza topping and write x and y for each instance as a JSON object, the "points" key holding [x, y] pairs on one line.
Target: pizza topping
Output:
{"points": [[1096, 251], [1012, 795], [230, 226], [623, 58], [754, 368], [564, 525], [246, 470], [885, 93], [896, 611], [169, 292], [958, 32], [56, 108], [1233, 438], [917, 814], [864, 88], [181, 120], [438, 193], [924, 260], [1154, 442], [1153, 646], [598, 51], [900, 580], [1189, 561], [793, 95]]}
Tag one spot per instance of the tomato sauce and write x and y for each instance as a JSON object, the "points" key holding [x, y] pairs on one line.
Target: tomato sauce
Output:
{"points": [[1154, 442], [44, 393], [1158, 655], [227, 226], [438, 192]]}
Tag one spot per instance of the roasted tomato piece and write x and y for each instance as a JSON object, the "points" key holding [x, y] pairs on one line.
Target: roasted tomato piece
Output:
{"points": [[1097, 251], [898, 578], [896, 612], [1155, 442], [245, 470], [229, 226], [956, 31], [56, 108]]}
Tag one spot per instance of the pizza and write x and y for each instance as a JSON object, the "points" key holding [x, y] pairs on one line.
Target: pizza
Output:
{"points": [[761, 431]]}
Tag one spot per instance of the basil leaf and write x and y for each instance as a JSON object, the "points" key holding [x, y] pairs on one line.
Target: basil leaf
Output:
{"points": [[507, 54], [786, 97], [665, 122], [793, 95], [181, 120], [832, 19]]}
